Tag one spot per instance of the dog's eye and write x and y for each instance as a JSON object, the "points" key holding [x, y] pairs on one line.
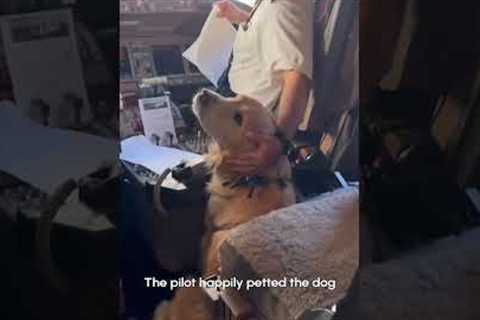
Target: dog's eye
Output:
{"points": [[238, 118]]}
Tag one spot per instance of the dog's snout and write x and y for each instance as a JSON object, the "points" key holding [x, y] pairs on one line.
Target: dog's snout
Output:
{"points": [[205, 97]]}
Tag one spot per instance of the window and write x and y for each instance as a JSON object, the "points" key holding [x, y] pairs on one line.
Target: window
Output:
{"points": [[168, 60]]}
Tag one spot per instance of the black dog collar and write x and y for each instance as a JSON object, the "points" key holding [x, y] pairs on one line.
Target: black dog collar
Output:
{"points": [[252, 182], [288, 149]]}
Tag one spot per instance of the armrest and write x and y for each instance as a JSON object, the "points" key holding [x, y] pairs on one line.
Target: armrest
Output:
{"points": [[317, 238]]}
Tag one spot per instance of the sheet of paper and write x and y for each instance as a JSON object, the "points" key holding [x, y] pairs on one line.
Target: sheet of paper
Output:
{"points": [[250, 3], [75, 214], [140, 151], [31, 74], [157, 119], [45, 157], [213, 47]]}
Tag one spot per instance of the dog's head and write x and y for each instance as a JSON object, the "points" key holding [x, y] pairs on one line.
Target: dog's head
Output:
{"points": [[227, 119]]}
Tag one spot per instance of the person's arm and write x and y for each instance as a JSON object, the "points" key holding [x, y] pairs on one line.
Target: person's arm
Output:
{"points": [[288, 42], [291, 108], [231, 12], [293, 102]]}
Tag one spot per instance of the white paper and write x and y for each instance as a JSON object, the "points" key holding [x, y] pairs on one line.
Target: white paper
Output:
{"points": [[157, 119], [213, 47], [75, 214], [140, 151], [44, 61], [45, 157], [250, 3]]}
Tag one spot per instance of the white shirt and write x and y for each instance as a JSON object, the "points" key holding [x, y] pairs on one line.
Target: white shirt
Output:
{"points": [[279, 38]]}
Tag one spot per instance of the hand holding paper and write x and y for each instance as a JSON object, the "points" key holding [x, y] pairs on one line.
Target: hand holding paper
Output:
{"points": [[213, 47], [228, 10]]}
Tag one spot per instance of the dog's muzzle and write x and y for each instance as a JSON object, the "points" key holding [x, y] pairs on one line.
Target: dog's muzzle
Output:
{"points": [[203, 99]]}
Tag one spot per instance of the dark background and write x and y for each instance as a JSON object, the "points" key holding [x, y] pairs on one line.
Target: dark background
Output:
{"points": [[89, 260]]}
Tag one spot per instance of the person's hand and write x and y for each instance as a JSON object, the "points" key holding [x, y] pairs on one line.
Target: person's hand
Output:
{"points": [[268, 150], [228, 10]]}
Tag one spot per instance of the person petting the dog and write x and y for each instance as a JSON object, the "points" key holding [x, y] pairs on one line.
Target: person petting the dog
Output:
{"points": [[273, 63]]}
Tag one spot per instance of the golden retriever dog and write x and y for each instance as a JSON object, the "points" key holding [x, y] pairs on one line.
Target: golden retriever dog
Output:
{"points": [[234, 199]]}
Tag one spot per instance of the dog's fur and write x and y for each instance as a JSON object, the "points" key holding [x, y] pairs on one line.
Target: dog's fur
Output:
{"points": [[226, 120]]}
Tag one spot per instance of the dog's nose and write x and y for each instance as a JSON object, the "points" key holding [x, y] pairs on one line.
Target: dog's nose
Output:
{"points": [[205, 97]]}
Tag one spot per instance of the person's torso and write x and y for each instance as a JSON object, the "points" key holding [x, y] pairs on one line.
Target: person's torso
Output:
{"points": [[249, 74]]}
